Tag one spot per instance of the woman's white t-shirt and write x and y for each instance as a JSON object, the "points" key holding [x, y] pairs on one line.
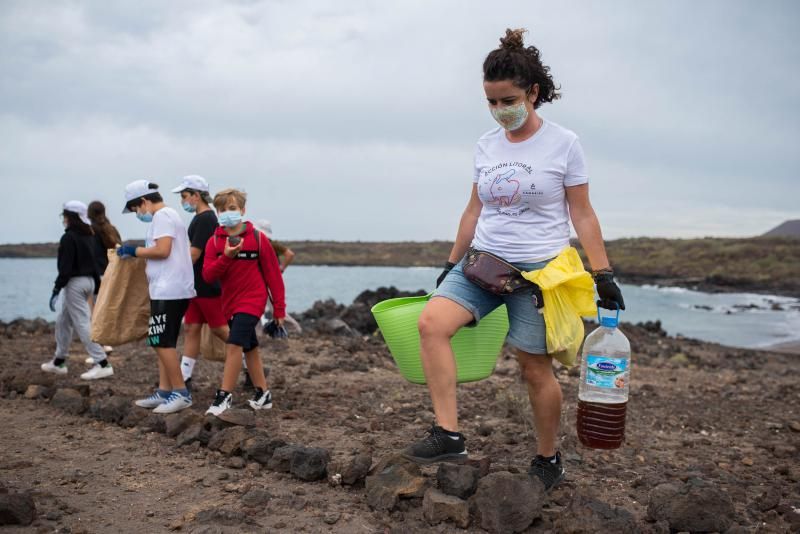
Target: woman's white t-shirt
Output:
{"points": [[173, 277], [522, 187]]}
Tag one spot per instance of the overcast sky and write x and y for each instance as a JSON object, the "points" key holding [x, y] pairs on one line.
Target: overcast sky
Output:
{"points": [[357, 120]]}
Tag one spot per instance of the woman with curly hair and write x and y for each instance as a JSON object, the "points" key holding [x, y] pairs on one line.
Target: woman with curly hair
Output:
{"points": [[529, 181]]}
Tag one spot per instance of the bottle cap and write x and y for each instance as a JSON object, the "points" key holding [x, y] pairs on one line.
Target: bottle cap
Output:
{"points": [[610, 322]]}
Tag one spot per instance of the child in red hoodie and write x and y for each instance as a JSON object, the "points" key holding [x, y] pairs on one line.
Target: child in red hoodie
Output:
{"points": [[245, 264]]}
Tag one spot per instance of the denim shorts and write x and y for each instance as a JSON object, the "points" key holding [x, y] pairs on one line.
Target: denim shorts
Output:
{"points": [[526, 325]]}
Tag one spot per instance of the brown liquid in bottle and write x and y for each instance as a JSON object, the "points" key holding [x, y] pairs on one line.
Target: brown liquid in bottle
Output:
{"points": [[601, 426]]}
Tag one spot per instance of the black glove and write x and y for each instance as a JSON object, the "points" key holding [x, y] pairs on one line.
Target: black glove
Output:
{"points": [[447, 268], [275, 331], [608, 291], [53, 300]]}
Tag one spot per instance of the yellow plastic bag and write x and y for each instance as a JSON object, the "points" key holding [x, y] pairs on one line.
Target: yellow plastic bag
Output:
{"points": [[568, 292]]}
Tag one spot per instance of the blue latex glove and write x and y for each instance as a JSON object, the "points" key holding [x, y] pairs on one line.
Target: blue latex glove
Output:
{"points": [[126, 251], [53, 300]]}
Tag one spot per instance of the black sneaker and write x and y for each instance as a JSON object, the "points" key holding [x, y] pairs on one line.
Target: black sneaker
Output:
{"points": [[550, 473], [436, 447], [261, 400], [222, 401]]}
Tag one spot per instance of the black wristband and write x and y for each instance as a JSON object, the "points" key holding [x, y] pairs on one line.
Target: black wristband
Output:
{"points": [[449, 265]]}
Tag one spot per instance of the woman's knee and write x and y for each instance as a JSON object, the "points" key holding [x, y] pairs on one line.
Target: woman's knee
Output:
{"points": [[537, 370], [431, 327]]}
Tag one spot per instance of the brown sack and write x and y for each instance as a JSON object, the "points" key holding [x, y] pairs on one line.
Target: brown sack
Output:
{"points": [[211, 347], [122, 308]]}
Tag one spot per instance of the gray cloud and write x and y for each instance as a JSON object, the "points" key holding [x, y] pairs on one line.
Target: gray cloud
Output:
{"points": [[357, 120]]}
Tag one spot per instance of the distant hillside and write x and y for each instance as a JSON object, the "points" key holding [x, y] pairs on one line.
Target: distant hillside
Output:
{"points": [[785, 229], [762, 264]]}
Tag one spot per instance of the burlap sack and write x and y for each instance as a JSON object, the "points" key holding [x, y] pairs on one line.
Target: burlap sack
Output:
{"points": [[122, 308], [211, 347]]}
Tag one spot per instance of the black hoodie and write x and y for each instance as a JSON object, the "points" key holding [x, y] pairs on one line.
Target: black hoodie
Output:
{"points": [[75, 258]]}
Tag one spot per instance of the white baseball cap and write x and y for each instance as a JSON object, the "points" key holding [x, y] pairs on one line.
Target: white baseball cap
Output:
{"points": [[264, 226], [193, 181], [78, 207], [135, 190]]}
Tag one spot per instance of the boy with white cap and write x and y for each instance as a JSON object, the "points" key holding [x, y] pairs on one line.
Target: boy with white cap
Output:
{"points": [[206, 307], [78, 278], [171, 285]]}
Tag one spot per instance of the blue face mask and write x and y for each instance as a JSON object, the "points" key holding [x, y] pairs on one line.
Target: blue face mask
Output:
{"points": [[188, 207], [229, 219], [144, 217]]}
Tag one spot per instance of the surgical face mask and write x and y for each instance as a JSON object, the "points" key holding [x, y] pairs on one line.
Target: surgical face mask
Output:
{"points": [[511, 117], [144, 217], [229, 219], [188, 207]]}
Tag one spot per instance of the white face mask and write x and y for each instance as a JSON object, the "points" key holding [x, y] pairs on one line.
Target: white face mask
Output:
{"points": [[511, 117]]}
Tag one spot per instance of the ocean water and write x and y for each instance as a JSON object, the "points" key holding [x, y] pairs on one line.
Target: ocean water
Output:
{"points": [[736, 319]]}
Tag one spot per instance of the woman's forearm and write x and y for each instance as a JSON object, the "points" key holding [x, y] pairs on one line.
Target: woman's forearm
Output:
{"points": [[588, 229], [466, 231]]}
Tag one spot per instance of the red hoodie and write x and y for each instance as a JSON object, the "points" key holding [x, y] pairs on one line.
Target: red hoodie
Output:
{"points": [[244, 285]]}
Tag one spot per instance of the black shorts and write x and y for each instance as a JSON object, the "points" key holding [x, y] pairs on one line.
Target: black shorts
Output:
{"points": [[165, 322], [243, 331]]}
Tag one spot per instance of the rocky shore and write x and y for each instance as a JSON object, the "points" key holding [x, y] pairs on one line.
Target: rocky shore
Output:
{"points": [[712, 444]]}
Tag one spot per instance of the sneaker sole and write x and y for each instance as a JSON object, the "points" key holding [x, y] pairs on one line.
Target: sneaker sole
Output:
{"points": [[62, 373], [450, 458], [84, 377], [256, 407], [147, 406], [173, 411]]}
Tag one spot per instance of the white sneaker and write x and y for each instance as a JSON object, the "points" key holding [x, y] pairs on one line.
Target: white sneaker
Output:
{"points": [[261, 400], [222, 401], [153, 401], [175, 403], [55, 369], [98, 372]]}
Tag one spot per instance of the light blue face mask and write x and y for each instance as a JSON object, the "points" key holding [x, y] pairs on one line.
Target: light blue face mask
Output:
{"points": [[144, 217], [229, 219], [188, 207]]}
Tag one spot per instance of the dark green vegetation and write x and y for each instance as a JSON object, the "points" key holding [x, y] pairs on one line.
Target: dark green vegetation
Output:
{"points": [[748, 264], [754, 264]]}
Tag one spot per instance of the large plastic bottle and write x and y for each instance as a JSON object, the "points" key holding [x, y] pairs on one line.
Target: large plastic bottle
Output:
{"points": [[603, 390]]}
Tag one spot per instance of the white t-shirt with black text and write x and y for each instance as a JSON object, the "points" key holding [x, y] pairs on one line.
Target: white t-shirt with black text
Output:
{"points": [[525, 218], [173, 277]]}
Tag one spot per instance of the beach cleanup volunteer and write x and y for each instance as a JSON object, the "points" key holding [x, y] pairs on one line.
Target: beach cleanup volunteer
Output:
{"points": [[529, 181], [206, 307], [76, 282], [244, 263], [170, 283]]}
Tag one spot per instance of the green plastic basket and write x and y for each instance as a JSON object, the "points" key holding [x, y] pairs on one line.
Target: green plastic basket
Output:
{"points": [[476, 348]]}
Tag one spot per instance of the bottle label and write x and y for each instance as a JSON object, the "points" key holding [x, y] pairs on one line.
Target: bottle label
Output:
{"points": [[604, 372]]}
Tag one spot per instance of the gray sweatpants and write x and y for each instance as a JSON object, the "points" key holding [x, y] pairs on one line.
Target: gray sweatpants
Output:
{"points": [[75, 316]]}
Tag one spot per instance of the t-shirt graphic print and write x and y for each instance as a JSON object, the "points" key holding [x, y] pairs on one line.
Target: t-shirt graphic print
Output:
{"points": [[524, 217]]}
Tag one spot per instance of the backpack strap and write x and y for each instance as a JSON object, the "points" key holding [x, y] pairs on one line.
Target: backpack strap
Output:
{"points": [[258, 244]]}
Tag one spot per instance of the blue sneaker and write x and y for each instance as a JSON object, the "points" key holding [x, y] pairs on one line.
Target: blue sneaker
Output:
{"points": [[175, 403], [153, 401]]}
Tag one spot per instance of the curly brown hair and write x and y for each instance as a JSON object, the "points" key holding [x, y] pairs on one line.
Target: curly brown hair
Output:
{"points": [[522, 65]]}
